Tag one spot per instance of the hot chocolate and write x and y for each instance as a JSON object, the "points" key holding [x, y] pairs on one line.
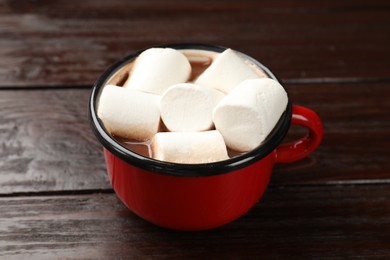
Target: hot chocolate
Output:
{"points": [[200, 60], [203, 70]]}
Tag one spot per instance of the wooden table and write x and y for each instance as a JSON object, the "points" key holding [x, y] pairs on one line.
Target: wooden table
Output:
{"points": [[333, 57]]}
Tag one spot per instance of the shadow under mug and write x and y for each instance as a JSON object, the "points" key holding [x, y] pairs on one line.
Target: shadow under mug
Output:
{"points": [[199, 196]]}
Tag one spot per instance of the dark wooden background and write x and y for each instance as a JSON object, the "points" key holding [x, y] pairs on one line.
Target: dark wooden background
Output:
{"points": [[333, 57]]}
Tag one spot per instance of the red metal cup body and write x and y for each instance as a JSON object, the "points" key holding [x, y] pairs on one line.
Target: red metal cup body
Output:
{"points": [[189, 203]]}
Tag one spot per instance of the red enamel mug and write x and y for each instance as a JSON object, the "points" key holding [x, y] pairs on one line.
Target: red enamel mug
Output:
{"points": [[199, 196]]}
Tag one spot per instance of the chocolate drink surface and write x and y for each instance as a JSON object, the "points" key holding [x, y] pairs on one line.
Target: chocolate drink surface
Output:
{"points": [[200, 60]]}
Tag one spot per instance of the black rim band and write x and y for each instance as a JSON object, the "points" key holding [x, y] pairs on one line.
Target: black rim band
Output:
{"points": [[175, 169]]}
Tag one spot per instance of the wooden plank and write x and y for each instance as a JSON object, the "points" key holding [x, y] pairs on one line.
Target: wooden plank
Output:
{"points": [[324, 222], [50, 43], [46, 143]]}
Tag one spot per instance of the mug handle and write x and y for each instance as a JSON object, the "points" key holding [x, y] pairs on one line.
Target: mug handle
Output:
{"points": [[301, 148]]}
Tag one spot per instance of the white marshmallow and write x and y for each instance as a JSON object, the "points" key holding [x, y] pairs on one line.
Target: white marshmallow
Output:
{"points": [[226, 72], [249, 112], [129, 113], [156, 69], [189, 147], [189, 107]]}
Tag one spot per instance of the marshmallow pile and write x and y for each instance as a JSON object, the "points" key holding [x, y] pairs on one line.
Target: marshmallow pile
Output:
{"points": [[232, 104]]}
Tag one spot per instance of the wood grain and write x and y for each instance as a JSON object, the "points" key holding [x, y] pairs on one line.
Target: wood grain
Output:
{"points": [[51, 43], [46, 143], [326, 222]]}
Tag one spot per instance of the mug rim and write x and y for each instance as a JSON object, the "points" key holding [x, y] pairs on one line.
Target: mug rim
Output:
{"points": [[178, 169]]}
